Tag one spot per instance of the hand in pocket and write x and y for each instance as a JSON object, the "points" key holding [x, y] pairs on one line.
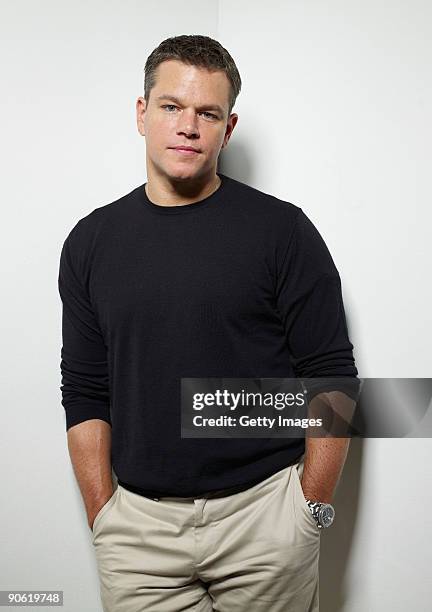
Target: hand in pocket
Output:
{"points": [[95, 512]]}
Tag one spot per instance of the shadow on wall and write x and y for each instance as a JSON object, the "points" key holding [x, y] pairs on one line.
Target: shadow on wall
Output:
{"points": [[336, 543], [236, 162]]}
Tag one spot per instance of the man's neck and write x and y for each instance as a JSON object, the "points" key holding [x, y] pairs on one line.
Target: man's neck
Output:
{"points": [[181, 194]]}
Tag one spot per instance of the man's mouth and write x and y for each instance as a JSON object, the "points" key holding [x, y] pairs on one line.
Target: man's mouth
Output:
{"points": [[188, 151]]}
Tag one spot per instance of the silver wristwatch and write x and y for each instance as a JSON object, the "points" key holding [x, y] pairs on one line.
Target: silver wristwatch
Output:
{"points": [[323, 513]]}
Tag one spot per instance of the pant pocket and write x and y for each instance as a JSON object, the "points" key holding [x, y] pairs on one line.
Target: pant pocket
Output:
{"points": [[298, 469], [102, 512]]}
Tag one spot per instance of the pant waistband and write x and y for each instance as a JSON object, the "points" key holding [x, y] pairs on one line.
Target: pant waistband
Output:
{"points": [[156, 495]]}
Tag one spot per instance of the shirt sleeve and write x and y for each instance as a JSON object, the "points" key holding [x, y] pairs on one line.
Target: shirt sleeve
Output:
{"points": [[84, 366], [309, 300]]}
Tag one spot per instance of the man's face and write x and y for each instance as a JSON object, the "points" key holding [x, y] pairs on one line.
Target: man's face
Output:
{"points": [[187, 106]]}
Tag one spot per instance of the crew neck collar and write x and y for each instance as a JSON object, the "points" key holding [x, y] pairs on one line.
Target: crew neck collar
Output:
{"points": [[214, 198]]}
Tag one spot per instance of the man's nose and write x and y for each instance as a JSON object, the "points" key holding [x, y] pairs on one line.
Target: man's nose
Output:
{"points": [[188, 124]]}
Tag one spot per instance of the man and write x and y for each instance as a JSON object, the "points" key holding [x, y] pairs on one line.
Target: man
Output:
{"points": [[194, 275]]}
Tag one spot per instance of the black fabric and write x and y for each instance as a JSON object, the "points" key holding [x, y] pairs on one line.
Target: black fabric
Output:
{"points": [[239, 284], [155, 495]]}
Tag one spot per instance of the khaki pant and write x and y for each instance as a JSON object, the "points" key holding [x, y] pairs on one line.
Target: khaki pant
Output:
{"points": [[256, 550]]}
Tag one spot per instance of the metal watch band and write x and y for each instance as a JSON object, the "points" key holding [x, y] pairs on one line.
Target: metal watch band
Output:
{"points": [[323, 513]]}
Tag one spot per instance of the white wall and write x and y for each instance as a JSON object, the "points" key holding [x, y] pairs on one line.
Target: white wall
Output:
{"points": [[332, 117], [71, 73]]}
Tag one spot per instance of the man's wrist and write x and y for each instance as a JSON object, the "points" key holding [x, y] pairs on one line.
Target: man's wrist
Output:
{"points": [[101, 499], [322, 495], [323, 513]]}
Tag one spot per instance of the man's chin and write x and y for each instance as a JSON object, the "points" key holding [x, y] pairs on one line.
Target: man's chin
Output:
{"points": [[183, 174]]}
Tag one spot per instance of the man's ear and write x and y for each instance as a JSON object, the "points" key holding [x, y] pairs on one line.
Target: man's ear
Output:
{"points": [[232, 120], [141, 106]]}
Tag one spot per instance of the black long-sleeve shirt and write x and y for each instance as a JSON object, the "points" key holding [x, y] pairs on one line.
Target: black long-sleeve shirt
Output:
{"points": [[237, 285]]}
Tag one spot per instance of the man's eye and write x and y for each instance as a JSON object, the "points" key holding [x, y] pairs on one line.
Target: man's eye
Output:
{"points": [[203, 112]]}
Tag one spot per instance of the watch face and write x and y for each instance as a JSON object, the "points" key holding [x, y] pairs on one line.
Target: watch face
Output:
{"points": [[326, 515]]}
